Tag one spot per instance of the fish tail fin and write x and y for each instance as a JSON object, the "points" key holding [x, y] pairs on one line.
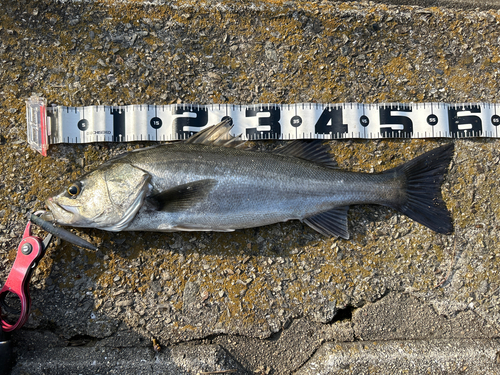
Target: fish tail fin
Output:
{"points": [[422, 200]]}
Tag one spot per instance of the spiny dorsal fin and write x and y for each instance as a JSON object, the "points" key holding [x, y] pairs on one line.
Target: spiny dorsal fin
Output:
{"points": [[330, 223], [217, 135], [181, 197], [309, 150]]}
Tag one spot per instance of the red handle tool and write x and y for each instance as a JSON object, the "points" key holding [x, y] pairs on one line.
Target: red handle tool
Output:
{"points": [[30, 251]]}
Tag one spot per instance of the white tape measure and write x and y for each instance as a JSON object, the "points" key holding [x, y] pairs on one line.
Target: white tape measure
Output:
{"points": [[60, 124]]}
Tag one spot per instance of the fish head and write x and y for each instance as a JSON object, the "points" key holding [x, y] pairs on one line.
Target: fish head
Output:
{"points": [[107, 198]]}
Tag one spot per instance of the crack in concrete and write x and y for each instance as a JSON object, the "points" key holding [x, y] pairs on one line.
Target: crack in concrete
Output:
{"points": [[293, 347]]}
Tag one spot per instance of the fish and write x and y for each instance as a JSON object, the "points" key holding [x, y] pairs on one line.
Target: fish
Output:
{"points": [[212, 182]]}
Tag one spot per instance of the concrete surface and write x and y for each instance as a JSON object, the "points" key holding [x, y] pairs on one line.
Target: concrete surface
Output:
{"points": [[453, 4], [272, 300], [208, 359], [409, 357]]}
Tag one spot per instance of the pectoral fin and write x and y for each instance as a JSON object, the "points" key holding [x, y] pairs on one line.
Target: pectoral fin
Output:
{"points": [[330, 223], [181, 197]]}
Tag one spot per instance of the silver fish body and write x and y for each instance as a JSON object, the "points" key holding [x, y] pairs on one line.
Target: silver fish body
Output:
{"points": [[202, 186]]}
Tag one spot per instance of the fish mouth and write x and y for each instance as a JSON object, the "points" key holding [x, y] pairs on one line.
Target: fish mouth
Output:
{"points": [[59, 213], [47, 216]]}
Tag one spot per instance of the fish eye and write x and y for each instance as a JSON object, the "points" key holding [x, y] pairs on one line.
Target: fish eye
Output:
{"points": [[74, 189]]}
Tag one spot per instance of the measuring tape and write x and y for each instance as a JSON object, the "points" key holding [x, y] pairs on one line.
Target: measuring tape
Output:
{"points": [[61, 124]]}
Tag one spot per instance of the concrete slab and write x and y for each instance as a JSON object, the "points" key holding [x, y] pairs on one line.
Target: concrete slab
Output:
{"points": [[278, 289], [206, 359], [404, 317], [406, 357]]}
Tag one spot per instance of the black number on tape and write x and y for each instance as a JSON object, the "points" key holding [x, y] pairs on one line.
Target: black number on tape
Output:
{"points": [[495, 120], [180, 123], [465, 125], [432, 120], [401, 125], [227, 118], [330, 122], [296, 121], [118, 124], [156, 123], [273, 121], [83, 124], [364, 121]]}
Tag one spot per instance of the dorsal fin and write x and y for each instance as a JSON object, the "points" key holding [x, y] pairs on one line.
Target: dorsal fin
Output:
{"points": [[309, 150], [217, 135]]}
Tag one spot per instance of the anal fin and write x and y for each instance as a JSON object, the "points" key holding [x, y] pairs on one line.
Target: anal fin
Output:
{"points": [[330, 223]]}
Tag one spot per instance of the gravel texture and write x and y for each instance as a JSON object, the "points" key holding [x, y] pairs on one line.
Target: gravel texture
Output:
{"points": [[257, 288]]}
